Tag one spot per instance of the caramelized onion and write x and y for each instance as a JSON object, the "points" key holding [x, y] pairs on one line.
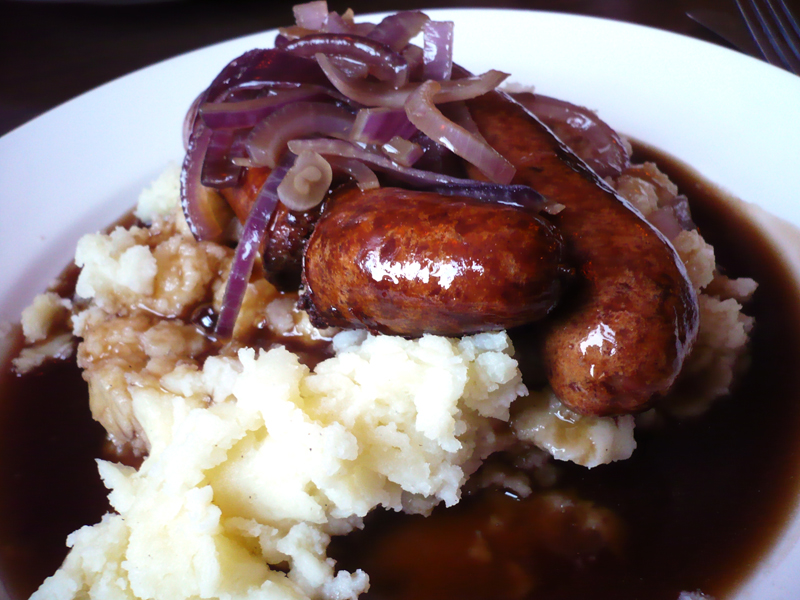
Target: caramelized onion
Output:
{"points": [[268, 138], [429, 120], [247, 113], [375, 93], [189, 120], [304, 186], [397, 30], [206, 213], [218, 169], [311, 15], [415, 58], [416, 178], [344, 24], [383, 62], [250, 242], [438, 50], [379, 125], [402, 151], [364, 177], [264, 65]]}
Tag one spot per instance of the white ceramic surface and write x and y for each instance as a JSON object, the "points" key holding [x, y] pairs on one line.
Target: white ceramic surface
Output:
{"points": [[736, 120]]}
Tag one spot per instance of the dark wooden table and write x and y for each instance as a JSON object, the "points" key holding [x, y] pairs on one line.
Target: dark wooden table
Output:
{"points": [[53, 51]]}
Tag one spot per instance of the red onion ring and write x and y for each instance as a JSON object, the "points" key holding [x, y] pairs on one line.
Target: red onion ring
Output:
{"points": [[299, 119], [248, 113], [415, 57], [344, 24], [372, 93], [402, 151], [218, 170], [311, 15], [379, 125], [397, 30], [364, 176], [206, 213], [414, 177], [383, 62], [438, 50], [250, 241], [520, 196], [429, 120]]}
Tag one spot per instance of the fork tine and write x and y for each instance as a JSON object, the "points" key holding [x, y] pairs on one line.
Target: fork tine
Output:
{"points": [[791, 33], [776, 34], [752, 19]]}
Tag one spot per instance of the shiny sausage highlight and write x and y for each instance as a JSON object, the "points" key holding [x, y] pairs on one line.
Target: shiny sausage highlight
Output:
{"points": [[408, 263]]}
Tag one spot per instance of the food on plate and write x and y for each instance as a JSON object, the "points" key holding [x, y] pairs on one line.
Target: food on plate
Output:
{"points": [[379, 284]]}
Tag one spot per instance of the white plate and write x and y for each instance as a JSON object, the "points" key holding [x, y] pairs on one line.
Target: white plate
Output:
{"points": [[736, 120]]}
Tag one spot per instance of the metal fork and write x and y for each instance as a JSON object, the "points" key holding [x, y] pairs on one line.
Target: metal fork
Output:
{"points": [[775, 31]]}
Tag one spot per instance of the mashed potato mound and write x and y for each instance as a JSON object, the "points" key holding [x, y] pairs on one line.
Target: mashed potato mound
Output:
{"points": [[255, 461]]}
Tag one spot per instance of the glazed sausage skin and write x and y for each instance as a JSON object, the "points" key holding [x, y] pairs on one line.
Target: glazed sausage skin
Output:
{"points": [[620, 342], [407, 263]]}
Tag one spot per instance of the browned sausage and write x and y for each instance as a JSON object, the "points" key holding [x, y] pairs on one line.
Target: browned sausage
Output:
{"points": [[286, 234], [408, 262], [622, 340]]}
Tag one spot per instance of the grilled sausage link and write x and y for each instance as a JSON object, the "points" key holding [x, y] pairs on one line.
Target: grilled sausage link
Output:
{"points": [[621, 341], [407, 263]]}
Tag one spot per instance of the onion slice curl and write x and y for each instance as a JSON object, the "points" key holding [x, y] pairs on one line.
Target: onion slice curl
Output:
{"points": [[429, 120], [253, 232]]}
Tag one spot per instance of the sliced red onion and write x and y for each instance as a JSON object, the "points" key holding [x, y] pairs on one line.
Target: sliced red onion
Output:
{"points": [[207, 214], [189, 119], [351, 68], [218, 169], [437, 158], [413, 177], [415, 57], [379, 125], [402, 151], [581, 130], [520, 196], [383, 62], [372, 93], [438, 50], [291, 33], [459, 114], [364, 176], [265, 65], [248, 113], [311, 15], [268, 139], [305, 185], [429, 120], [344, 24], [397, 30], [252, 236]]}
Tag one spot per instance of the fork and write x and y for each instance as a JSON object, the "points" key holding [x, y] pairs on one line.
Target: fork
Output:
{"points": [[775, 31]]}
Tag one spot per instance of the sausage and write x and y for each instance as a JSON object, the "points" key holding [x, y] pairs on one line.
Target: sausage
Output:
{"points": [[408, 262], [286, 234], [620, 341]]}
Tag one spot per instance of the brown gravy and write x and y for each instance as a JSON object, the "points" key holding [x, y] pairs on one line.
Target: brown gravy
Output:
{"points": [[701, 502]]}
